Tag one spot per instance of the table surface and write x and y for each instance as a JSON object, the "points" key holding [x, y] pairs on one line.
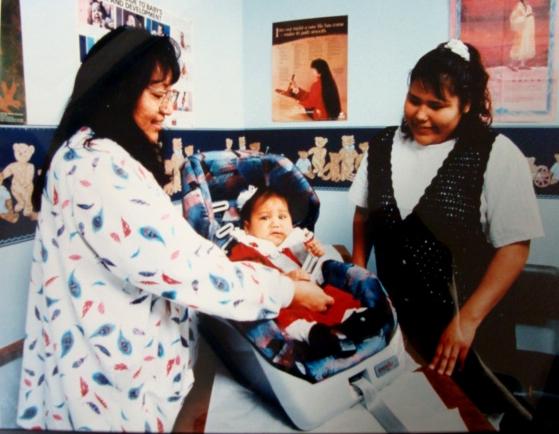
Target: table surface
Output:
{"points": [[193, 415]]}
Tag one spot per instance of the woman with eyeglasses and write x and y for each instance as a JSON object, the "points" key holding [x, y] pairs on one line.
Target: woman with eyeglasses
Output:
{"points": [[116, 270]]}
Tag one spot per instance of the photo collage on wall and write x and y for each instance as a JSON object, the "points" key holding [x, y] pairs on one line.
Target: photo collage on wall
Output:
{"points": [[309, 70], [97, 17], [12, 84], [519, 45]]}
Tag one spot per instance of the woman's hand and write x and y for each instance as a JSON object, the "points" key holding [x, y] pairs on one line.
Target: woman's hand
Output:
{"points": [[311, 296], [502, 271], [298, 274], [314, 247], [454, 344]]}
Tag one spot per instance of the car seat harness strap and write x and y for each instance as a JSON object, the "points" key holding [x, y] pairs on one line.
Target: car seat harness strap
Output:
{"points": [[377, 407]]}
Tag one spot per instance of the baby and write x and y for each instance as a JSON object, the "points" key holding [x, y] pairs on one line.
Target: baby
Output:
{"points": [[270, 238]]}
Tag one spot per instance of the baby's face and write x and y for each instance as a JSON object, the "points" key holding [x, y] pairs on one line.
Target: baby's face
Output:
{"points": [[270, 220]]}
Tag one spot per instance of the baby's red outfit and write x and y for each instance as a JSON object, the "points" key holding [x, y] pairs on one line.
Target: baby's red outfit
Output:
{"points": [[333, 315]]}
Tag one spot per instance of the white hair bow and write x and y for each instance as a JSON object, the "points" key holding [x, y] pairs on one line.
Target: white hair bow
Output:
{"points": [[459, 48], [245, 195]]}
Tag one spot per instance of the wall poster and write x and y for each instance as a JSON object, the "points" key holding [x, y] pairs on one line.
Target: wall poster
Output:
{"points": [[309, 70], [518, 43], [12, 85], [97, 17]]}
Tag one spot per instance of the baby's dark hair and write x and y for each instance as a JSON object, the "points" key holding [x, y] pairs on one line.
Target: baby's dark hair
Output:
{"points": [[442, 68], [262, 193]]}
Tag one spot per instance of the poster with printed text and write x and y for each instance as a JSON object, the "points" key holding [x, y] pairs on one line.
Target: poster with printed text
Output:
{"points": [[309, 70], [12, 84], [517, 40], [97, 17]]}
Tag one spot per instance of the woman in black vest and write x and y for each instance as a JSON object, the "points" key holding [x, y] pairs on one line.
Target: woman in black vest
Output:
{"points": [[449, 208]]}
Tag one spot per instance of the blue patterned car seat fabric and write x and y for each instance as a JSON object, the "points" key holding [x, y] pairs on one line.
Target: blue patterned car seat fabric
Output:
{"points": [[211, 184], [213, 180]]}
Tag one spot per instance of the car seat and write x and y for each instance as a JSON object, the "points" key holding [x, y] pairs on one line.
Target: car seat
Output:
{"points": [[258, 353]]}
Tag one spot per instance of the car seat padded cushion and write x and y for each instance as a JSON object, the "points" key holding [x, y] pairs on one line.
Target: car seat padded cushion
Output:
{"points": [[211, 184], [213, 180], [294, 357]]}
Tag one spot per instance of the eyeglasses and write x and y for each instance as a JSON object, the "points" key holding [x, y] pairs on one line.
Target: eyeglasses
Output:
{"points": [[169, 97], [166, 97]]}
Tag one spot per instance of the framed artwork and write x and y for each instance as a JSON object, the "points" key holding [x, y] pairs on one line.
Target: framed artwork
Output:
{"points": [[517, 40], [12, 84]]}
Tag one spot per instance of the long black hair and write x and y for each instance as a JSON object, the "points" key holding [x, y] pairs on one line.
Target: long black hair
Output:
{"points": [[441, 69], [111, 79], [330, 94]]}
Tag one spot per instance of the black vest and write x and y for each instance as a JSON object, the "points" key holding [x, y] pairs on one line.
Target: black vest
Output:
{"points": [[418, 258]]}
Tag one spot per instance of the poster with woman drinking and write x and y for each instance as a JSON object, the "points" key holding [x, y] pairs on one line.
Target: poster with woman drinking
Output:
{"points": [[518, 42], [309, 70]]}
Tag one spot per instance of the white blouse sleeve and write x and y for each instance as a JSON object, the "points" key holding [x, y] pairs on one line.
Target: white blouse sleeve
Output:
{"points": [[139, 236], [359, 189], [512, 210]]}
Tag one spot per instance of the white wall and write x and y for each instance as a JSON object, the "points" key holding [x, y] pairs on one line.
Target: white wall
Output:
{"points": [[381, 52], [50, 57], [218, 64], [545, 250], [16, 263]]}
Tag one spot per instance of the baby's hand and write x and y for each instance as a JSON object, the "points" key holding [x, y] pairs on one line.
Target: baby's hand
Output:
{"points": [[298, 274], [314, 247]]}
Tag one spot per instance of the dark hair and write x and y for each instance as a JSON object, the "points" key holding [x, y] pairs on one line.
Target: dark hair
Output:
{"points": [[115, 72], [330, 94], [262, 193], [442, 69]]}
